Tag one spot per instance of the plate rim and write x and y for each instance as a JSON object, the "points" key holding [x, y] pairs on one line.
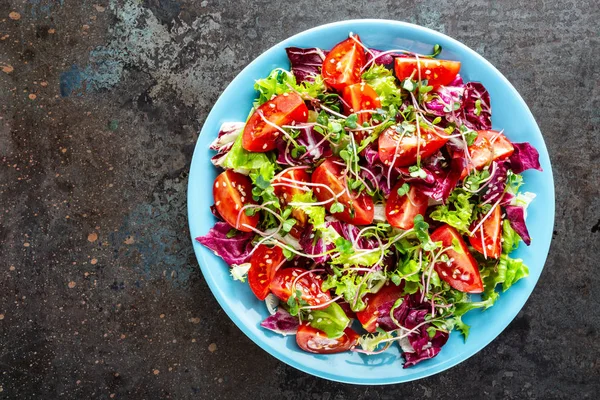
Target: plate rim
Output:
{"points": [[289, 360]]}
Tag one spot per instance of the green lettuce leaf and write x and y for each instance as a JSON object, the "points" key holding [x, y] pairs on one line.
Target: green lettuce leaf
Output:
{"points": [[510, 238], [281, 81], [457, 213], [507, 272], [349, 284], [243, 161], [382, 80], [331, 320]]}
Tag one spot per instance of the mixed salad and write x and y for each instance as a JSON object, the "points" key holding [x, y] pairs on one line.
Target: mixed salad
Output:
{"points": [[369, 185]]}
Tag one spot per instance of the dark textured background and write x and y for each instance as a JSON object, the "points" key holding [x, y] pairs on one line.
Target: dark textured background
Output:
{"points": [[100, 107]]}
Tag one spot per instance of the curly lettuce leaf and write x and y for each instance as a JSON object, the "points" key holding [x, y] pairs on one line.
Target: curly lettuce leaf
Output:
{"points": [[243, 161], [280, 81], [382, 80], [457, 213]]}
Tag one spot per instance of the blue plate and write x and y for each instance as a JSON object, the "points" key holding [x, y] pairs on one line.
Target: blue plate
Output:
{"points": [[509, 113]]}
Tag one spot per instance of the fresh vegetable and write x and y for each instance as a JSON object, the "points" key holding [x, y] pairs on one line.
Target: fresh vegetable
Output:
{"points": [[232, 192], [315, 341], [264, 126], [353, 190]]}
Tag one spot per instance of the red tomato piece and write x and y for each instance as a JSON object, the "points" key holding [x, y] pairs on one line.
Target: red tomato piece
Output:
{"points": [[258, 135], [231, 192], [502, 147], [492, 235], [437, 72], [358, 210], [489, 146], [400, 211], [406, 146], [309, 285], [263, 264], [359, 97], [315, 341], [368, 316], [343, 64], [461, 272], [286, 191]]}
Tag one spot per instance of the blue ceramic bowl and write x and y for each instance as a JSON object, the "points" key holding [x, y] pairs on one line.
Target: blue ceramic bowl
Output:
{"points": [[509, 113]]}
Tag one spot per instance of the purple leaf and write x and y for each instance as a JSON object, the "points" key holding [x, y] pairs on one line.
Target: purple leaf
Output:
{"points": [[497, 184], [305, 63], [316, 148], [234, 250], [442, 176], [281, 322], [385, 59], [477, 118], [516, 217], [524, 157], [312, 244], [443, 103], [424, 346]]}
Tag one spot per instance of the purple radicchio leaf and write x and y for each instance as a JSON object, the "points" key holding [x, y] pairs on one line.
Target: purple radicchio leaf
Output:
{"points": [[224, 142], [516, 217], [474, 117], [281, 322], [442, 176], [378, 171], [234, 250], [381, 58], [350, 232], [384, 319], [524, 157], [497, 184], [316, 148], [424, 347], [305, 63], [444, 99], [313, 244]]}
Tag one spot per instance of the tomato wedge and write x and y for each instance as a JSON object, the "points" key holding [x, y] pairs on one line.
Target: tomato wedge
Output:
{"points": [[259, 136], [309, 285], [358, 97], [358, 210], [343, 64], [263, 264], [286, 190], [492, 234], [461, 272], [368, 316], [400, 211], [315, 341], [489, 146], [502, 148], [437, 72], [406, 146], [231, 192]]}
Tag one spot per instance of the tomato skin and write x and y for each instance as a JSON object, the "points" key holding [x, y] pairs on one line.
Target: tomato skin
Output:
{"points": [[492, 234], [358, 97], [407, 149], [437, 72], [489, 146], [502, 148], [400, 211], [315, 341], [263, 264], [232, 191], [287, 193], [309, 285], [462, 273], [368, 316], [343, 64], [330, 174], [258, 136]]}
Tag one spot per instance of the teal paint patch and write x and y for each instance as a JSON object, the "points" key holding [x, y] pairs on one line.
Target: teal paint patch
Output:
{"points": [[70, 81]]}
